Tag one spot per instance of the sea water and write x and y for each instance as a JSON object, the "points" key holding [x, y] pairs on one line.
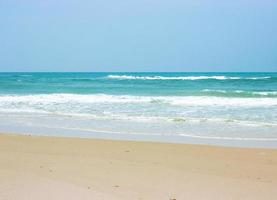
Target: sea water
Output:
{"points": [[210, 108]]}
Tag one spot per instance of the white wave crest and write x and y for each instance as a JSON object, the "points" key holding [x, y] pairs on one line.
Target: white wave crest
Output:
{"points": [[261, 93], [129, 77], [219, 91], [169, 77], [271, 93], [258, 78], [45, 99]]}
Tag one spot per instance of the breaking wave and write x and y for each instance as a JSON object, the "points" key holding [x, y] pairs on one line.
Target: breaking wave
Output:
{"points": [[129, 77], [40, 99]]}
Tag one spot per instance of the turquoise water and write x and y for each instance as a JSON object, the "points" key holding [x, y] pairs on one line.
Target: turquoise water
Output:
{"points": [[165, 84], [216, 106]]}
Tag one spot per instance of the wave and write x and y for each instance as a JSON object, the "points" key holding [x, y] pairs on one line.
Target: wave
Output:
{"points": [[243, 93], [25, 75], [219, 91], [271, 93], [257, 78], [72, 99], [129, 77]]}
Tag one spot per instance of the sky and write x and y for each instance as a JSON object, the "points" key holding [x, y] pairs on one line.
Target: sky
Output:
{"points": [[138, 35]]}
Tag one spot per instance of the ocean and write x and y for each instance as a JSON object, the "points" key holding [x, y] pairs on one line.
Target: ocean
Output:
{"points": [[237, 109]]}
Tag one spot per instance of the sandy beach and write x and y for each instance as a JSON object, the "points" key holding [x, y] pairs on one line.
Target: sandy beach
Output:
{"points": [[36, 167]]}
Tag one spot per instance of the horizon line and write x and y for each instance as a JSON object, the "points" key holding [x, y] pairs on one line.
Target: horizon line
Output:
{"points": [[138, 71]]}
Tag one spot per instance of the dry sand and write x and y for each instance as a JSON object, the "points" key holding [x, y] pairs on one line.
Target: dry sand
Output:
{"points": [[44, 168]]}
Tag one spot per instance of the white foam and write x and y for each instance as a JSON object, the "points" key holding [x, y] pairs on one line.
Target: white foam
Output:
{"points": [[258, 78], [169, 77], [45, 99], [220, 91], [261, 93], [129, 77], [239, 91], [271, 93]]}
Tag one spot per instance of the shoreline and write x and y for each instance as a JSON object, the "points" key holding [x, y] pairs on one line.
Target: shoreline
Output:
{"points": [[117, 136], [44, 167]]}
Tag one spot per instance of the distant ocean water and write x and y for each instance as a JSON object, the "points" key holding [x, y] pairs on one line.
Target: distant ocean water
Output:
{"points": [[206, 106]]}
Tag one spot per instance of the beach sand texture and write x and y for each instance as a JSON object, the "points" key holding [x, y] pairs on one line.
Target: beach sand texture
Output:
{"points": [[33, 167]]}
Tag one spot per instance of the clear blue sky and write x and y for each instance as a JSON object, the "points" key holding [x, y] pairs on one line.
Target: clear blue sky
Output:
{"points": [[138, 35]]}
